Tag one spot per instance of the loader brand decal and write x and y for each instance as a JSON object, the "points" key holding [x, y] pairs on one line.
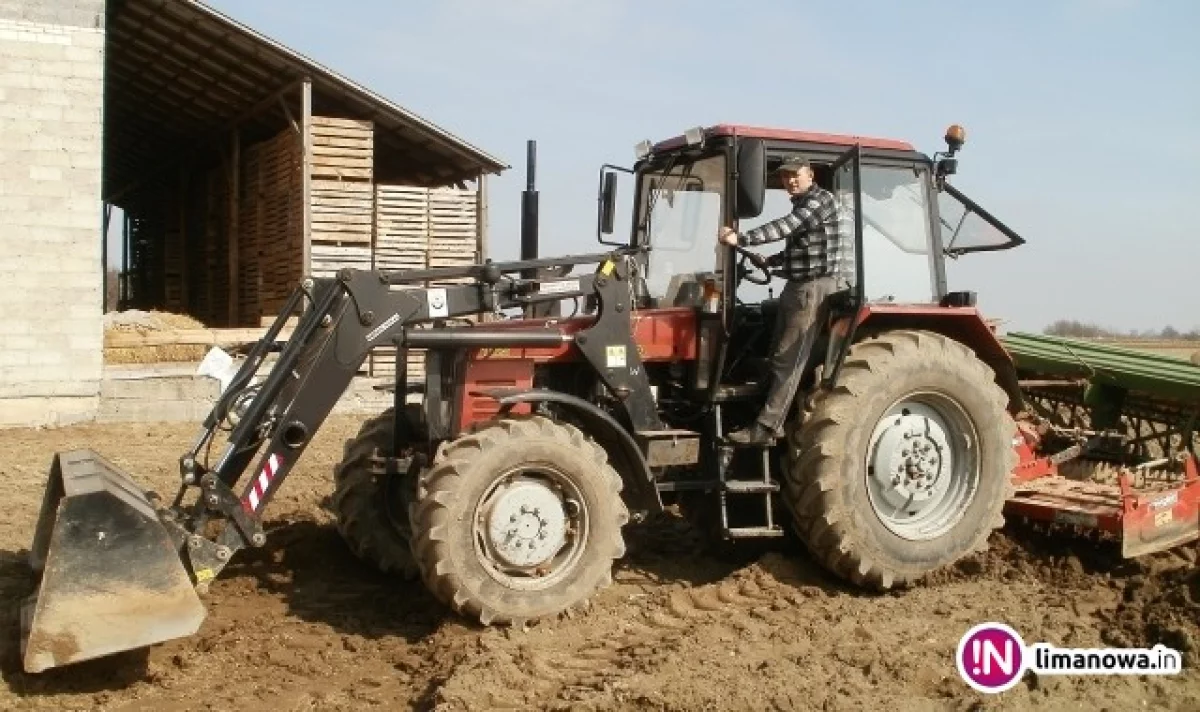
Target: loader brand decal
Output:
{"points": [[992, 658], [436, 299], [259, 489], [374, 333], [570, 285]]}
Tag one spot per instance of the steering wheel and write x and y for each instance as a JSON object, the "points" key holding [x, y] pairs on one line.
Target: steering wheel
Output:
{"points": [[759, 262]]}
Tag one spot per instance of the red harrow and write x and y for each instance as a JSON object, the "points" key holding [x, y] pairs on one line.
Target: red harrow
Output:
{"points": [[1108, 443]]}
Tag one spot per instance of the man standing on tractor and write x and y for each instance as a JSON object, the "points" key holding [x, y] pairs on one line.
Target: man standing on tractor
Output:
{"points": [[817, 260]]}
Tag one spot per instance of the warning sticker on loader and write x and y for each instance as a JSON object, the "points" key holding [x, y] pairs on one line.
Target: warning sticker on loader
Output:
{"points": [[616, 357]]}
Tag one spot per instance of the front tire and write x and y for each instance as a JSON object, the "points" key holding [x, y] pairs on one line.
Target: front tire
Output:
{"points": [[372, 512], [905, 466], [519, 520]]}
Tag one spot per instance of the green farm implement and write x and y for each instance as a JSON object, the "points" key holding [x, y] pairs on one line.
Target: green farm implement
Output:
{"points": [[1110, 436]]}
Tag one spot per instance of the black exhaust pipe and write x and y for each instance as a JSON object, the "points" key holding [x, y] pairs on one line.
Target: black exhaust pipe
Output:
{"points": [[529, 235], [529, 209]]}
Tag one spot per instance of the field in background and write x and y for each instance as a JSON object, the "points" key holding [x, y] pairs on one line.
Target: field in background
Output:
{"points": [[1164, 347]]}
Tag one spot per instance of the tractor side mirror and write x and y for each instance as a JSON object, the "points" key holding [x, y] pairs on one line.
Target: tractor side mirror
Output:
{"points": [[608, 203], [606, 200], [752, 177]]}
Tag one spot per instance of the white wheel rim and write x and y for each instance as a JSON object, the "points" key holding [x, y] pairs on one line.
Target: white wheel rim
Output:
{"points": [[922, 466], [530, 528]]}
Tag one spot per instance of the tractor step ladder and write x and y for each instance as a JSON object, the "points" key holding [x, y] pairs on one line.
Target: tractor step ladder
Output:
{"points": [[732, 486]]}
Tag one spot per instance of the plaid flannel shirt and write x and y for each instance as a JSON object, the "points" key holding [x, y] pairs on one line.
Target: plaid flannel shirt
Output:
{"points": [[815, 245]]}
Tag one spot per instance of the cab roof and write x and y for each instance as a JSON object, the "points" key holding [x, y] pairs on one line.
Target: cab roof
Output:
{"points": [[770, 134]]}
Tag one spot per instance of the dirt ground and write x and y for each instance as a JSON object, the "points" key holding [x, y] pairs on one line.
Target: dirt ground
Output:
{"points": [[301, 625]]}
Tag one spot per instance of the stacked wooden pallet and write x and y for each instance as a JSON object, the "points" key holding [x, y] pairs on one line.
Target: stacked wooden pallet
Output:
{"points": [[341, 213], [250, 211], [419, 228], [341, 230], [216, 248], [453, 227], [343, 149], [342, 200], [328, 259], [173, 260], [281, 220], [401, 228], [401, 244]]}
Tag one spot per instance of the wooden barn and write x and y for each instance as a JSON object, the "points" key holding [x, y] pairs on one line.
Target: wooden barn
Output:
{"points": [[240, 166]]}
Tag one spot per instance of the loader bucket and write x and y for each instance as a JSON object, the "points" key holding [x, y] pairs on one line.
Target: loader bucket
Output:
{"points": [[111, 577]]}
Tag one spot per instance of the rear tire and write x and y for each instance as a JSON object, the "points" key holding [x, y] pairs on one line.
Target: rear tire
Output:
{"points": [[372, 513], [519, 520], [905, 466]]}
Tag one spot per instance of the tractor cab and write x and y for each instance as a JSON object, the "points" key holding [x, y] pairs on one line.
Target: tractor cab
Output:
{"points": [[900, 212], [900, 218]]}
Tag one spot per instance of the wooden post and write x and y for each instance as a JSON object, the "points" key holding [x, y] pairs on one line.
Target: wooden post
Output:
{"points": [[185, 305], [106, 220], [481, 236], [234, 258], [258, 240], [306, 177], [124, 291], [210, 238]]}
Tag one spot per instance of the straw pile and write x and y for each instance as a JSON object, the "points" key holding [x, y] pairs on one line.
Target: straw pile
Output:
{"points": [[143, 322]]}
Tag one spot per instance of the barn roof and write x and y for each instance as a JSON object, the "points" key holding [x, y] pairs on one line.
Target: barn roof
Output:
{"points": [[179, 75]]}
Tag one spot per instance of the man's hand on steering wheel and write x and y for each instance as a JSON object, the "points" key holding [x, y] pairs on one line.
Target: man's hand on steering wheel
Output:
{"points": [[729, 237]]}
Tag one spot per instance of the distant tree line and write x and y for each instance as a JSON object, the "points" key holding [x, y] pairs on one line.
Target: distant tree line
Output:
{"points": [[1078, 329]]}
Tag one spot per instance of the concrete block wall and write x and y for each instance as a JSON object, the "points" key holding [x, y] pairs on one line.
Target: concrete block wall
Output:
{"points": [[162, 393], [51, 99]]}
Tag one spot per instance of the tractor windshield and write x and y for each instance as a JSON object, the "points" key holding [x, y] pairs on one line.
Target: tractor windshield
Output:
{"points": [[897, 259], [681, 207]]}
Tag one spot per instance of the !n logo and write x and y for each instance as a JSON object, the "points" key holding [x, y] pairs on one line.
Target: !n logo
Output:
{"points": [[991, 657]]}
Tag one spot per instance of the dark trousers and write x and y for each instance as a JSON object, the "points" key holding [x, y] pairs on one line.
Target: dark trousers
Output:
{"points": [[803, 307]]}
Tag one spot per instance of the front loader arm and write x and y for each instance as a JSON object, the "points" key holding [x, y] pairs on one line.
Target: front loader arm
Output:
{"points": [[347, 317], [118, 570]]}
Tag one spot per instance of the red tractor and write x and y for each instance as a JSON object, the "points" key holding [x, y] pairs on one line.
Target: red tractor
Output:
{"points": [[536, 439]]}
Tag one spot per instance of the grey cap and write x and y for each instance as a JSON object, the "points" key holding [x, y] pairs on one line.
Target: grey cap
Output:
{"points": [[793, 164]]}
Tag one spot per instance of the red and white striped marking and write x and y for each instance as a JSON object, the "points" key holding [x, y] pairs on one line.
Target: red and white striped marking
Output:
{"points": [[259, 490]]}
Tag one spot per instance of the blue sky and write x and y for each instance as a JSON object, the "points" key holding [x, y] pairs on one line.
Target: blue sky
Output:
{"points": [[1082, 116]]}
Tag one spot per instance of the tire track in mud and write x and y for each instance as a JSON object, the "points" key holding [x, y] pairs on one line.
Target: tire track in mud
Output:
{"points": [[629, 631], [601, 666]]}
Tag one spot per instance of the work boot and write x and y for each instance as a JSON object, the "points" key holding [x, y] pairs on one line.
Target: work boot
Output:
{"points": [[756, 434]]}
